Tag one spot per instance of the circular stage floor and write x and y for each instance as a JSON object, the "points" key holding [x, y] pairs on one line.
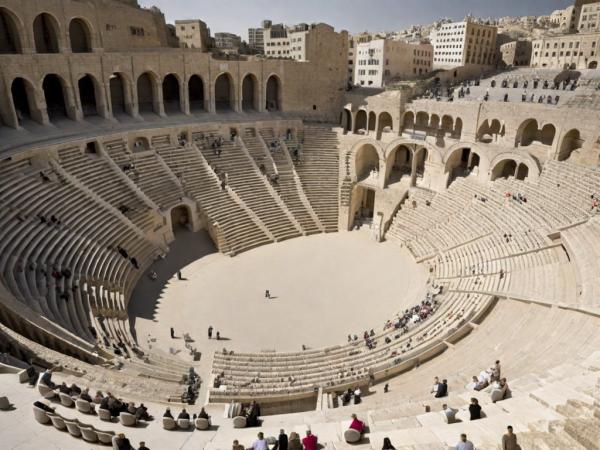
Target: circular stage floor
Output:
{"points": [[322, 287]]}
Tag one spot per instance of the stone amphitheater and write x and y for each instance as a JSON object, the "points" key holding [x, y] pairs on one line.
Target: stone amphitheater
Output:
{"points": [[403, 235]]}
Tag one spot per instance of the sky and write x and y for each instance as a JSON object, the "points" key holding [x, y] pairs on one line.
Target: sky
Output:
{"points": [[236, 16]]}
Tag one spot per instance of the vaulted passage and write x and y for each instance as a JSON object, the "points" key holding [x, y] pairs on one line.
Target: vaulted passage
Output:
{"points": [[54, 95], [196, 93], [171, 96], [79, 33], [249, 94], [224, 93], [87, 96], [145, 91], [9, 34], [45, 34], [273, 95], [117, 94]]}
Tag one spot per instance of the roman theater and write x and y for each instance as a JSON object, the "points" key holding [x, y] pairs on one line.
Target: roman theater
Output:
{"points": [[231, 234]]}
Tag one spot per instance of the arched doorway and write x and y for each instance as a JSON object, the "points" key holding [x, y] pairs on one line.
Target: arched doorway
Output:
{"points": [[146, 93], [171, 95], [593, 65], [504, 169], [273, 94], [571, 141], [54, 94], [366, 163], [522, 172], [527, 133], [360, 122], [398, 164], [23, 97], [547, 134], [87, 96], [224, 95], [363, 207], [80, 36], [385, 124], [461, 163], [372, 121], [422, 122], [346, 120], [181, 218], [196, 93], [408, 121], [45, 34], [249, 93], [117, 94], [10, 39]]}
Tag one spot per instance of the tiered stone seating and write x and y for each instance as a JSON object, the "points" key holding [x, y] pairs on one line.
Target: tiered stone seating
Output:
{"points": [[94, 172], [239, 230], [247, 182], [252, 375], [152, 178], [82, 240], [289, 188], [583, 247], [316, 168]]}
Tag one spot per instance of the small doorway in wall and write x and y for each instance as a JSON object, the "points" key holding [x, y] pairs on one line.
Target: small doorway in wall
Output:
{"points": [[181, 218], [364, 207]]}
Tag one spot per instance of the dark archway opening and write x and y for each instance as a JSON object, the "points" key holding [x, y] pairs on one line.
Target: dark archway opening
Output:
{"points": [[249, 95], [171, 95], [10, 42], [273, 95], [55, 97], [117, 94], [145, 91], [224, 93], [22, 98], [181, 218], [196, 93], [45, 34], [87, 96], [80, 36]]}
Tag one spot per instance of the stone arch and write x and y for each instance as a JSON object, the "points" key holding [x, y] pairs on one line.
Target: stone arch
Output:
{"points": [[458, 125], [398, 163], [250, 94], [434, 153], [496, 166], [346, 120], [171, 90], [366, 160], [224, 92], [55, 95], [547, 134], [421, 155], [45, 34], [504, 169], [385, 123], [461, 161], [24, 99], [11, 32], [447, 125], [422, 121], [360, 120], [89, 93], [80, 36], [490, 130], [372, 122], [522, 172], [140, 144], [274, 93], [120, 94], [181, 217], [147, 92], [434, 122], [571, 142], [526, 133], [408, 121], [196, 93], [593, 65]]}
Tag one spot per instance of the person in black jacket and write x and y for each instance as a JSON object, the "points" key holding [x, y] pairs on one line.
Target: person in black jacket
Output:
{"points": [[475, 409], [282, 442], [442, 389]]}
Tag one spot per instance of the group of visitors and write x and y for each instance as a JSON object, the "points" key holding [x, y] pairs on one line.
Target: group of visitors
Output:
{"points": [[439, 389], [122, 443], [282, 442], [350, 396], [186, 416], [210, 333]]}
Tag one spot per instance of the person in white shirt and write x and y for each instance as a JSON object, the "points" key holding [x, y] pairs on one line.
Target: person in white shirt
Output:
{"points": [[464, 444], [260, 443]]}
